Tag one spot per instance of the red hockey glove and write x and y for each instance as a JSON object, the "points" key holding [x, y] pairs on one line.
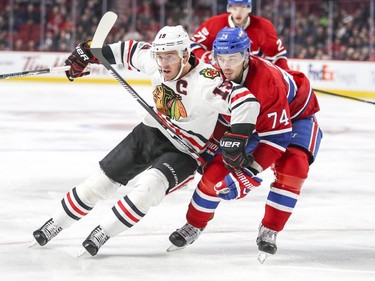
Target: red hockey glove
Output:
{"points": [[236, 185], [233, 151], [78, 60]]}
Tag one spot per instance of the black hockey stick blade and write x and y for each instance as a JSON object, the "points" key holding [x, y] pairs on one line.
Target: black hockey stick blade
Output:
{"points": [[34, 72], [343, 96], [104, 27]]}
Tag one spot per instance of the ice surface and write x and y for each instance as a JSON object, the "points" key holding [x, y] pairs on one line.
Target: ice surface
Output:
{"points": [[53, 135]]}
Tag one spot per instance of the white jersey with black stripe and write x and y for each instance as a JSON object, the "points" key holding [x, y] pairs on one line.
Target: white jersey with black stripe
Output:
{"points": [[192, 103]]}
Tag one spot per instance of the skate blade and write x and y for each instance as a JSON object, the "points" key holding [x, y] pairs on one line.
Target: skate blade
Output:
{"points": [[262, 256], [83, 253], [33, 244], [172, 248]]}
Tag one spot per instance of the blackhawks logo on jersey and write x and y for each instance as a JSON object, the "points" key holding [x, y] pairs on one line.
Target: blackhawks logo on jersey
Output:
{"points": [[168, 102], [209, 73]]}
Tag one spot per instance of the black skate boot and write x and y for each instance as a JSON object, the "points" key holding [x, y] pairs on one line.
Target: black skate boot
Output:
{"points": [[48, 230], [183, 237], [266, 242], [95, 240]]}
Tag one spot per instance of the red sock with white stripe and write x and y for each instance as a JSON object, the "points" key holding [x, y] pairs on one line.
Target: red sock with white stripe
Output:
{"points": [[279, 207]]}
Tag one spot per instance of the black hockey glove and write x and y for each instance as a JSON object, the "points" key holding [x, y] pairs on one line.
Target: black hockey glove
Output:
{"points": [[78, 60], [233, 152]]}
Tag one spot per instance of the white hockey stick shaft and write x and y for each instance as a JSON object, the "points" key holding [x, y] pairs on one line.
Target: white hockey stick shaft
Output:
{"points": [[34, 72], [104, 27]]}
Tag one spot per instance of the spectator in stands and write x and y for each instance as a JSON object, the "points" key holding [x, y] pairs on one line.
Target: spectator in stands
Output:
{"points": [[32, 14], [351, 23], [264, 40], [19, 45]]}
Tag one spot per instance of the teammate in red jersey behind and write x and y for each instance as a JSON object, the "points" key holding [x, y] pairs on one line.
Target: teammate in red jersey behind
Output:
{"points": [[264, 40], [231, 175]]}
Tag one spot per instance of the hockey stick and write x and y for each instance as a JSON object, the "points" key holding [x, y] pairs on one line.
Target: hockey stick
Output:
{"points": [[104, 27], [343, 96], [34, 72]]}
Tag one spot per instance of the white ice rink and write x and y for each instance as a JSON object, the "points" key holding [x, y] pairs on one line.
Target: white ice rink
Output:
{"points": [[53, 135]]}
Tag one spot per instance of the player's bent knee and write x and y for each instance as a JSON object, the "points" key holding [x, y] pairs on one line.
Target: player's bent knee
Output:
{"points": [[288, 182], [294, 162], [96, 187], [150, 189]]}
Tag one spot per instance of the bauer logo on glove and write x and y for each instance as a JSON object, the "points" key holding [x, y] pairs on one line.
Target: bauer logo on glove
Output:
{"points": [[81, 53], [236, 185], [233, 152], [79, 60]]}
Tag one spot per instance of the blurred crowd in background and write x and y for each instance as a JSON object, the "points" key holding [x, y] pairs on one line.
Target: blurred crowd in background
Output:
{"points": [[310, 29]]}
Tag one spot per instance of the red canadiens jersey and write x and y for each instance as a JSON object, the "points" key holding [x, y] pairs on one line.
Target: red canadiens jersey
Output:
{"points": [[305, 102], [264, 40], [269, 84]]}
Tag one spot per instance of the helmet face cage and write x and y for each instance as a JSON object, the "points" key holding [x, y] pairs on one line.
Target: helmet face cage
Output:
{"points": [[172, 38], [231, 40]]}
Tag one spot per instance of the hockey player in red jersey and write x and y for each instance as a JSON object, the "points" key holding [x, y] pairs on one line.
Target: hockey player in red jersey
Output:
{"points": [[223, 179], [264, 40], [188, 96]]}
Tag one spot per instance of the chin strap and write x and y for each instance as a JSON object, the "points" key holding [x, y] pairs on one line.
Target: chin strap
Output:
{"points": [[181, 69], [180, 72]]}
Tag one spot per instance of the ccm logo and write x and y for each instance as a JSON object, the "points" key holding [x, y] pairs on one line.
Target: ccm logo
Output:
{"points": [[82, 54], [230, 143]]}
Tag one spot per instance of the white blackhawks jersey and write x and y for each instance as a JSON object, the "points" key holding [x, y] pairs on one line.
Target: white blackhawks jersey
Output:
{"points": [[191, 104]]}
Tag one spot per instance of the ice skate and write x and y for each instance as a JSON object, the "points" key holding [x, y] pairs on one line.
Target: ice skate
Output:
{"points": [[266, 242], [94, 241], [46, 232], [183, 237]]}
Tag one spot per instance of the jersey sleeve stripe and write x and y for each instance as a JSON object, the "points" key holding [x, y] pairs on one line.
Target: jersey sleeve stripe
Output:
{"points": [[122, 48], [242, 102], [274, 145], [239, 93], [292, 89], [278, 55], [130, 45], [275, 132], [303, 107], [313, 137]]}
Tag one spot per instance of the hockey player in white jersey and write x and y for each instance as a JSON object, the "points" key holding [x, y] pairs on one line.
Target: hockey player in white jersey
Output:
{"points": [[188, 96]]}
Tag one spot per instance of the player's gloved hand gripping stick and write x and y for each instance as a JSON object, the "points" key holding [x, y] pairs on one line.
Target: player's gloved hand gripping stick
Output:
{"points": [[78, 61], [238, 183]]}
